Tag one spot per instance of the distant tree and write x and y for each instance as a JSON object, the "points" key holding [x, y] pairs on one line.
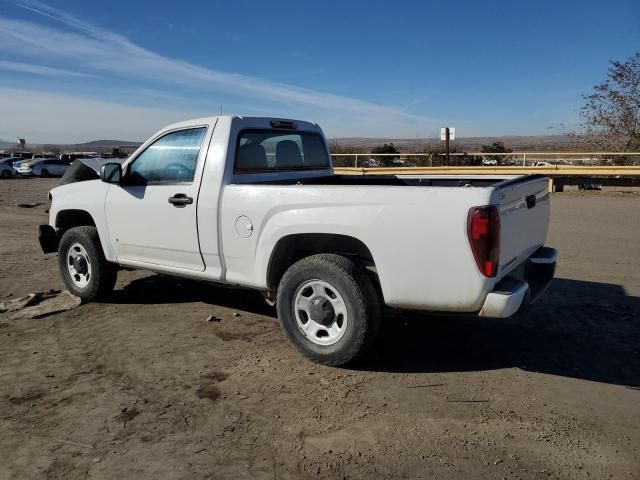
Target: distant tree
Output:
{"points": [[386, 148], [611, 114], [497, 147]]}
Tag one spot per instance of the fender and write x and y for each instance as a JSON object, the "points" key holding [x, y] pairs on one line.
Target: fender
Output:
{"points": [[88, 197]]}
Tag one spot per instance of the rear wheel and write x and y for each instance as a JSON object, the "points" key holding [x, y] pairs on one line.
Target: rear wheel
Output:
{"points": [[84, 270], [44, 172], [328, 308], [6, 173]]}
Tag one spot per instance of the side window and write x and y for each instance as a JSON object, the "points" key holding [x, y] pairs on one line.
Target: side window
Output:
{"points": [[170, 159]]}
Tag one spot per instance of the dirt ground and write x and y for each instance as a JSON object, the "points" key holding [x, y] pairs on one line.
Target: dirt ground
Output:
{"points": [[144, 387]]}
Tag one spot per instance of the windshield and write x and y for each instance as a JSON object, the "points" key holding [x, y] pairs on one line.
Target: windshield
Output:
{"points": [[276, 150]]}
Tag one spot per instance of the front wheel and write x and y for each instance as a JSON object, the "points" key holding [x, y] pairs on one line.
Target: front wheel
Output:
{"points": [[44, 172], [328, 308], [6, 173], [83, 267]]}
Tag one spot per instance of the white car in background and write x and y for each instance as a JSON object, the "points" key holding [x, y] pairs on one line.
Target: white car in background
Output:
{"points": [[44, 168], [6, 170], [17, 158], [43, 156]]}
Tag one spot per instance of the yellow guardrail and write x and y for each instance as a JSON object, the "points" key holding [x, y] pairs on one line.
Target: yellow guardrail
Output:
{"points": [[559, 175], [522, 158], [554, 171]]}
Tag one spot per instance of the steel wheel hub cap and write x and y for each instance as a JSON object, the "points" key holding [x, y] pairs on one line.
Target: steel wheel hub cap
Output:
{"points": [[79, 265], [320, 312]]}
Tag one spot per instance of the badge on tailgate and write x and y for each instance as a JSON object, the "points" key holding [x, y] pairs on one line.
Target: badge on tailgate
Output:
{"points": [[531, 201]]}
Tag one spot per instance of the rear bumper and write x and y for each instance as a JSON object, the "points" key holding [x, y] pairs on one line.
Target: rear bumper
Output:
{"points": [[523, 287]]}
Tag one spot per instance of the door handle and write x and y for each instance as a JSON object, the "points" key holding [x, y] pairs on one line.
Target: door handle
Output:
{"points": [[180, 200]]}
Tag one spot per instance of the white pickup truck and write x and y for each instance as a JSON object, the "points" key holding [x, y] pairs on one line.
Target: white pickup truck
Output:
{"points": [[255, 202]]}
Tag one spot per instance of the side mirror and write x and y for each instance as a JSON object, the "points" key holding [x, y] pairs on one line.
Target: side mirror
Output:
{"points": [[111, 173]]}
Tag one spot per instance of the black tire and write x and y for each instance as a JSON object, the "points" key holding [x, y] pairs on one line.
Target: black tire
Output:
{"points": [[44, 172], [103, 273], [359, 295], [6, 173]]}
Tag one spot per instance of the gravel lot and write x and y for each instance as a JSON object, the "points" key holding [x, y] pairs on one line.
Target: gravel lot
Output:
{"points": [[145, 387]]}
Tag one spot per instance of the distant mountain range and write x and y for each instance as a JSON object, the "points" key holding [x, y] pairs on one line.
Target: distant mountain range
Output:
{"points": [[86, 146], [97, 146], [109, 143]]}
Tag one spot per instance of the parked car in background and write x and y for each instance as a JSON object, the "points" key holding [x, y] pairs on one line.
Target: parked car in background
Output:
{"points": [[23, 168], [542, 164], [18, 157], [371, 163], [71, 157], [22, 155], [6, 170], [44, 168], [44, 156], [589, 186]]}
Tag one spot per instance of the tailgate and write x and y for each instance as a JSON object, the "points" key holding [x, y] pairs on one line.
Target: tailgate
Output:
{"points": [[524, 219]]}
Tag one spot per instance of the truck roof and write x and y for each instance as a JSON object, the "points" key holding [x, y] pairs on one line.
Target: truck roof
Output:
{"points": [[249, 119]]}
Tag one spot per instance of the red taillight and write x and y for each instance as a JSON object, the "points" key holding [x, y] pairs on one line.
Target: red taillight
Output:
{"points": [[483, 230]]}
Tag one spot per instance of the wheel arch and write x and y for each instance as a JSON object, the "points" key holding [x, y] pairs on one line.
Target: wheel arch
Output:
{"points": [[293, 247], [69, 218]]}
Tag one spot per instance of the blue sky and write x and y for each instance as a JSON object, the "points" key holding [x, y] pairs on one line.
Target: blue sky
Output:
{"points": [[72, 71]]}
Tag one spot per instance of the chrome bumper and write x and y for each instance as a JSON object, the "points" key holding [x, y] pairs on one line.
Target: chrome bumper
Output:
{"points": [[515, 292]]}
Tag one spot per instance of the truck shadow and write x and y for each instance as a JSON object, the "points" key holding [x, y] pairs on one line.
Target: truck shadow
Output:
{"points": [[578, 329], [164, 289]]}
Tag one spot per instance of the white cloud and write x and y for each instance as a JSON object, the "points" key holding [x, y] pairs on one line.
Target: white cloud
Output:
{"points": [[41, 70], [92, 50], [44, 117]]}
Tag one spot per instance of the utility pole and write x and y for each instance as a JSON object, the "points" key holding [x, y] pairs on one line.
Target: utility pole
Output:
{"points": [[446, 142], [447, 134]]}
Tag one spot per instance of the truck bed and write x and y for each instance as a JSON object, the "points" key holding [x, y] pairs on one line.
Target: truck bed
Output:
{"points": [[407, 180], [417, 236]]}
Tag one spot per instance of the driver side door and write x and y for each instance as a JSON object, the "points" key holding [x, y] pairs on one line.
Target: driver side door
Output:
{"points": [[151, 215]]}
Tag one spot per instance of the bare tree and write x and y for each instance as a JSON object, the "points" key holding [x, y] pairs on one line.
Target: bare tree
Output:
{"points": [[611, 114]]}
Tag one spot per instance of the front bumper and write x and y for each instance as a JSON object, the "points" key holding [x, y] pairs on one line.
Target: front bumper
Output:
{"points": [[48, 238], [523, 287]]}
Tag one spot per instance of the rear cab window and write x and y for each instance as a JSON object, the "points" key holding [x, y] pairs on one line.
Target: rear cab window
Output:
{"points": [[271, 150]]}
